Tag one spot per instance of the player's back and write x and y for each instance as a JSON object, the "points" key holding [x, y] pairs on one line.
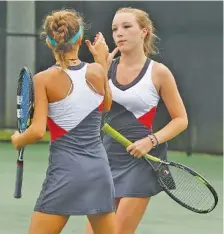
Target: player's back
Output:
{"points": [[74, 114]]}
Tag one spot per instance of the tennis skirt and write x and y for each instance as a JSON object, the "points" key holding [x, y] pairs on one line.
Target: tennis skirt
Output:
{"points": [[78, 182], [133, 177]]}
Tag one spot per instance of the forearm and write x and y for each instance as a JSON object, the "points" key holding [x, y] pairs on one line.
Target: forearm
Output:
{"points": [[108, 94], [171, 130], [30, 136], [102, 62]]}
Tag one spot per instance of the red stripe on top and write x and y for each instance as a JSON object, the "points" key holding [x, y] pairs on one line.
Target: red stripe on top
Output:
{"points": [[148, 118], [55, 130]]}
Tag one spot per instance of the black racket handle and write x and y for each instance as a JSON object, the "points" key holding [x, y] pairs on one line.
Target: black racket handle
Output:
{"points": [[19, 180]]}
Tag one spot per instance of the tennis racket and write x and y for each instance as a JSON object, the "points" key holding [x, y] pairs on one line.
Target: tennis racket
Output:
{"points": [[25, 107], [182, 184]]}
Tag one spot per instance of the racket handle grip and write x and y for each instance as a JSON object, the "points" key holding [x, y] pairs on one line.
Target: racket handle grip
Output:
{"points": [[19, 180], [123, 140], [116, 135]]}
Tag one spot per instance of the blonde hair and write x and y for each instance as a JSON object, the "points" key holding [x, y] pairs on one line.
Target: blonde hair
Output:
{"points": [[60, 26], [144, 21]]}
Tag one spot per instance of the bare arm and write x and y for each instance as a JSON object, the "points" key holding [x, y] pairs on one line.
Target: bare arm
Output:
{"points": [[172, 99], [168, 89], [108, 94], [38, 127], [100, 52], [96, 76]]}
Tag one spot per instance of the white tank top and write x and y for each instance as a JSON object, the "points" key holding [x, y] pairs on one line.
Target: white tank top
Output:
{"points": [[140, 97], [66, 114]]}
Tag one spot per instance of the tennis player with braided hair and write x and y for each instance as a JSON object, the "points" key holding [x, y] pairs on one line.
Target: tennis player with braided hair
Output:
{"points": [[68, 98], [137, 83]]}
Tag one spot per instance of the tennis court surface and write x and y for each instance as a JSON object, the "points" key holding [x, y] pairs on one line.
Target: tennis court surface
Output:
{"points": [[163, 215]]}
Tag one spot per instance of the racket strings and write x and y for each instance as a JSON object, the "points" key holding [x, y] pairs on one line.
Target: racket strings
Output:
{"points": [[186, 188], [25, 96]]}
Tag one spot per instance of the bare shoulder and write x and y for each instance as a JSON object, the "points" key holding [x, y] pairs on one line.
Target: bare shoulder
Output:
{"points": [[94, 71], [160, 70], [44, 76], [161, 76], [95, 74]]}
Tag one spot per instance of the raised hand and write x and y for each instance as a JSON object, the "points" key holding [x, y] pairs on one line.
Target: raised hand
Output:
{"points": [[99, 49]]}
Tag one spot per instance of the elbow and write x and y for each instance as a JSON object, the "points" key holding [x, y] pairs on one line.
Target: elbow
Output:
{"points": [[38, 133], [107, 102], [184, 123], [101, 92], [106, 109]]}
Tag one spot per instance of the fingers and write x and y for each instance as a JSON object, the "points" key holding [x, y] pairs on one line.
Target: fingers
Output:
{"points": [[14, 141], [96, 38], [99, 46], [114, 52], [130, 148], [99, 38], [89, 45], [135, 151], [136, 154], [15, 133]]}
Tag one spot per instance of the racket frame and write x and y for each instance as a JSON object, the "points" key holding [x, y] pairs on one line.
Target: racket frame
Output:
{"points": [[20, 162]]}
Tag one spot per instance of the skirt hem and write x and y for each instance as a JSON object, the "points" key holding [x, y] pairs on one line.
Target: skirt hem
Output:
{"points": [[69, 213], [138, 194]]}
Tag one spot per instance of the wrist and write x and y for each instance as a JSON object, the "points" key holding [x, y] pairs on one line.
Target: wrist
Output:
{"points": [[153, 140], [100, 60]]}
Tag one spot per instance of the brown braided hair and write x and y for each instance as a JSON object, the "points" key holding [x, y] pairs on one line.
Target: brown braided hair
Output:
{"points": [[61, 26]]}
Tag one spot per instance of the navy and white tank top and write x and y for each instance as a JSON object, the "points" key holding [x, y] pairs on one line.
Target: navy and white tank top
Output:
{"points": [[79, 112], [134, 105]]}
